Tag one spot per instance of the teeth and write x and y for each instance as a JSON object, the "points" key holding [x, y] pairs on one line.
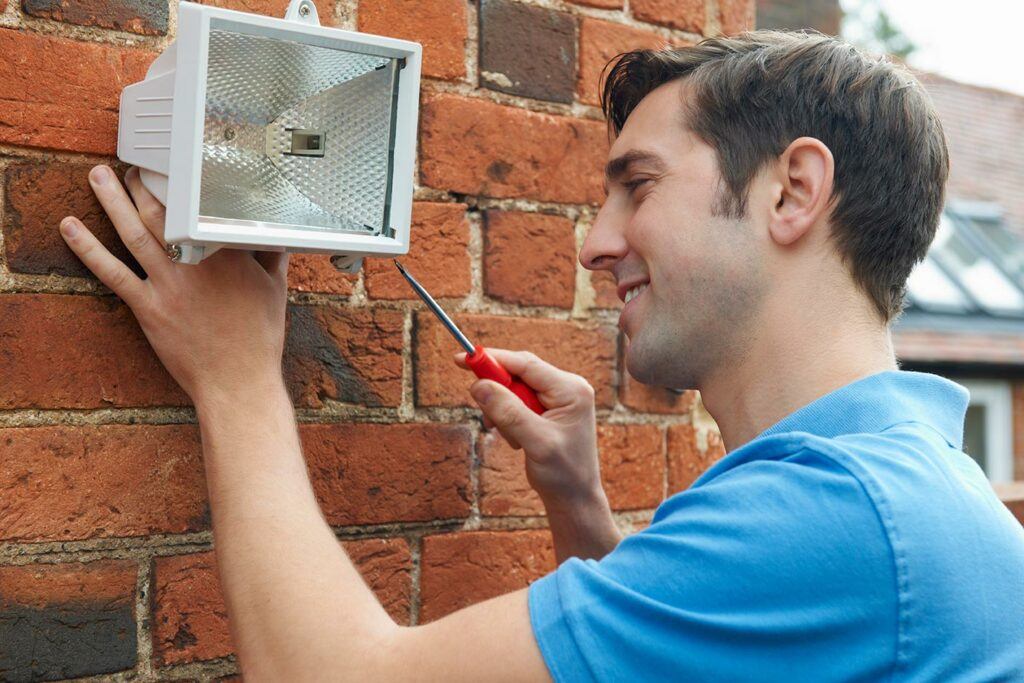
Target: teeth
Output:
{"points": [[634, 292]]}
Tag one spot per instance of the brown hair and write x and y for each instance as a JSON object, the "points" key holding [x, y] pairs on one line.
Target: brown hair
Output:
{"points": [[754, 93]]}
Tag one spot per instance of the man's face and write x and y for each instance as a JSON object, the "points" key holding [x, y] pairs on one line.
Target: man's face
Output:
{"points": [[691, 278]]}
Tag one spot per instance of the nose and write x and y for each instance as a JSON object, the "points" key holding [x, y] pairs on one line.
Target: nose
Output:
{"points": [[605, 244]]}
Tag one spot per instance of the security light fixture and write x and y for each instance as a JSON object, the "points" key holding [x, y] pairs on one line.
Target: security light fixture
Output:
{"points": [[277, 135]]}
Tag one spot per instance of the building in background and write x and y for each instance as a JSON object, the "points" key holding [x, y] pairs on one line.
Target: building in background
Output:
{"points": [[965, 310]]}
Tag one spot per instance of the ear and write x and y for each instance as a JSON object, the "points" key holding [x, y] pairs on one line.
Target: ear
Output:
{"points": [[804, 190]]}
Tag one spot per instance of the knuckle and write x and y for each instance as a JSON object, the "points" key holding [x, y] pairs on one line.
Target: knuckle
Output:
{"points": [[116, 278], [138, 240], [583, 389]]}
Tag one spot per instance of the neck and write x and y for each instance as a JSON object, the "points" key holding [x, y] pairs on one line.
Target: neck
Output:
{"points": [[794, 357]]}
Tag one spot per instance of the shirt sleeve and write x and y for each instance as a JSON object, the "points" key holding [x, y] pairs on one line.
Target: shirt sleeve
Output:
{"points": [[773, 570]]}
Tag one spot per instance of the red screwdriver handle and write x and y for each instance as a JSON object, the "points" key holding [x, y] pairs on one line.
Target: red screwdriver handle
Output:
{"points": [[484, 366]]}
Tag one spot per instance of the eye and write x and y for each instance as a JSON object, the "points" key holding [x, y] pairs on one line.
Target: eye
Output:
{"points": [[636, 183]]}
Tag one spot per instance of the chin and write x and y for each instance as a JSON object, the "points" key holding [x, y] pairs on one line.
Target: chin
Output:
{"points": [[659, 366]]}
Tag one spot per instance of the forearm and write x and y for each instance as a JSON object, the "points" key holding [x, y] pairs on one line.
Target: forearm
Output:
{"points": [[294, 598], [583, 528]]}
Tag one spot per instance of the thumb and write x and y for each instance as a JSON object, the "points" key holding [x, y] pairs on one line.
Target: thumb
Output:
{"points": [[520, 426]]}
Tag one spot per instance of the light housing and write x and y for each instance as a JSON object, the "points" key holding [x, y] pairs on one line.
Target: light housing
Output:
{"points": [[277, 134]]}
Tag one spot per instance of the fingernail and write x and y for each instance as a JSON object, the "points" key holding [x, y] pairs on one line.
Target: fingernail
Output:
{"points": [[68, 227], [481, 393], [100, 175]]}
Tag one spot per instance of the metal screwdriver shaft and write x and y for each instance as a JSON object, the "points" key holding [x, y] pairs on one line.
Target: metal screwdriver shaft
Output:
{"points": [[438, 311], [477, 359]]}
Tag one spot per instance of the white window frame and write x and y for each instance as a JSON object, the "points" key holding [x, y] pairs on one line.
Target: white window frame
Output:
{"points": [[997, 398]]}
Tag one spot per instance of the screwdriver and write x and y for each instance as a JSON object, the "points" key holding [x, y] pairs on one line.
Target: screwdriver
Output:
{"points": [[479, 361]]}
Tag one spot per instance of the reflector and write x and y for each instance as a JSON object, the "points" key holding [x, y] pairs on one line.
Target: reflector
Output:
{"points": [[277, 134]]}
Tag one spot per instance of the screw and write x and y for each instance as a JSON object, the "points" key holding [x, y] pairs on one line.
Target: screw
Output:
{"points": [[229, 133], [304, 11], [173, 252]]}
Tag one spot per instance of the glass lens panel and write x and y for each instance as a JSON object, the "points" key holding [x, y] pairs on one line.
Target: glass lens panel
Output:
{"points": [[296, 134]]}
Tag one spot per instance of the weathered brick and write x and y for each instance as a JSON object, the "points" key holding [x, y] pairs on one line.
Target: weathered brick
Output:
{"points": [[190, 617], [529, 258], [600, 41], [374, 473], [461, 569], [269, 8], [65, 483], [315, 273], [602, 4], [68, 90], [344, 354], [481, 148], [528, 51], [36, 197], [647, 399], [605, 292], [632, 461], [148, 17], [437, 258], [735, 16], [77, 352], [685, 15], [439, 25], [686, 460], [62, 621], [585, 349]]}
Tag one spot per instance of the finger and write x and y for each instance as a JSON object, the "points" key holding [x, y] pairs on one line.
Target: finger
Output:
{"points": [[104, 265], [520, 426], [274, 262], [460, 360], [146, 249], [151, 211]]}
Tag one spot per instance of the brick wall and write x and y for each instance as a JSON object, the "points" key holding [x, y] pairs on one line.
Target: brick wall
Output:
{"points": [[105, 543]]}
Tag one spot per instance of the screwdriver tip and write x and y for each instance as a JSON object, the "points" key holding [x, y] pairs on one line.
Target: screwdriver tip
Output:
{"points": [[399, 265]]}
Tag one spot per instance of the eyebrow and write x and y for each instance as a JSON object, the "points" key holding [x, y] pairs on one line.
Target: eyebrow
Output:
{"points": [[618, 166]]}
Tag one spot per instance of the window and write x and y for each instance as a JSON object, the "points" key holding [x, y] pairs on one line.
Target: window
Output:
{"points": [[988, 427], [982, 278]]}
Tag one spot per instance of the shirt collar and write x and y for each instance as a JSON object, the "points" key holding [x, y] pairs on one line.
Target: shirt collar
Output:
{"points": [[879, 401]]}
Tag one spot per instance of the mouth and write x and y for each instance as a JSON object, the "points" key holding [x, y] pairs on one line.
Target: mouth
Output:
{"points": [[628, 291]]}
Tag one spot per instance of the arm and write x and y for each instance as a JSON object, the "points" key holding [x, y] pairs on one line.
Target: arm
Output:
{"points": [[560, 448], [298, 608]]}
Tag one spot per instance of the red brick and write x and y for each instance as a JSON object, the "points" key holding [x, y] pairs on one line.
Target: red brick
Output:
{"points": [[344, 354], [585, 349], [480, 148], [147, 17], [439, 25], [315, 273], [269, 8], [600, 41], [686, 461], [735, 16], [77, 352], [647, 399], [602, 4], [378, 473], [685, 15], [461, 569], [605, 291], [66, 483], [632, 461], [68, 91], [190, 616], [37, 196], [437, 258], [529, 258], [1012, 495], [67, 620]]}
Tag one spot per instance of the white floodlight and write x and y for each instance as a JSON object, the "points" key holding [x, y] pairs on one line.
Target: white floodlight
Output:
{"points": [[277, 135]]}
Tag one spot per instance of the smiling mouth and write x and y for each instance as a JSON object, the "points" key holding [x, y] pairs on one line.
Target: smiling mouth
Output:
{"points": [[634, 292]]}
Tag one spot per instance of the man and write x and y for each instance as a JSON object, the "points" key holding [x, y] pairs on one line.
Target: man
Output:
{"points": [[767, 197]]}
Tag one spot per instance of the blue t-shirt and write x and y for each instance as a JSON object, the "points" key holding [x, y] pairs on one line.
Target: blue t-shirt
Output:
{"points": [[851, 541]]}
